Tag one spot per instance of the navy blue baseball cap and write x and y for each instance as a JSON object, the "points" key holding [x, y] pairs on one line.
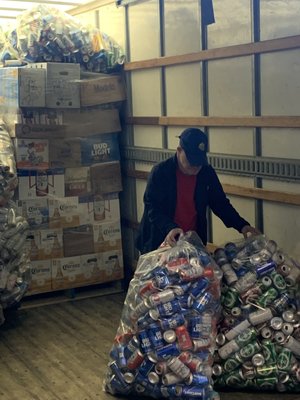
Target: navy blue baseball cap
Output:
{"points": [[194, 143]]}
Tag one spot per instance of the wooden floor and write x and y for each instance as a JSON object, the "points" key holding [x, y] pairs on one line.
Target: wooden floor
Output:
{"points": [[60, 352]]}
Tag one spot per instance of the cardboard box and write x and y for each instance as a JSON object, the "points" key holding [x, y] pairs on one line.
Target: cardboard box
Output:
{"points": [[106, 207], [41, 183], [86, 210], [63, 212], [62, 87], [41, 277], [78, 240], [64, 153], [107, 236], [100, 89], [66, 272], [51, 243], [94, 122], [31, 153], [33, 243], [92, 268], [21, 87], [100, 149], [35, 211], [112, 262], [106, 178], [77, 181]]}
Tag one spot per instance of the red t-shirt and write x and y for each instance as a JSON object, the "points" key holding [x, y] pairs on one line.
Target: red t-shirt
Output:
{"points": [[185, 213]]}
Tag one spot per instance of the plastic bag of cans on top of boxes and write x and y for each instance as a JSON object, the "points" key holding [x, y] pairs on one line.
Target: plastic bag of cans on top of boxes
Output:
{"points": [[46, 34], [259, 332], [165, 340], [14, 260]]}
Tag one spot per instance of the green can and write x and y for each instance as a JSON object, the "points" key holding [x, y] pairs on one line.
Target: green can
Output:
{"points": [[267, 383], [249, 350], [266, 370], [230, 364], [269, 351], [246, 336], [278, 281], [284, 360], [233, 378], [268, 297], [230, 298]]}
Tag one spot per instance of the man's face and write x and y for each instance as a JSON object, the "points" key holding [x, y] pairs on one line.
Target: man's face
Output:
{"points": [[184, 165]]}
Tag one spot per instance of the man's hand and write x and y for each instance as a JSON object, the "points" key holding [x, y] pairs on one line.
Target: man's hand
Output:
{"points": [[247, 229], [173, 236]]}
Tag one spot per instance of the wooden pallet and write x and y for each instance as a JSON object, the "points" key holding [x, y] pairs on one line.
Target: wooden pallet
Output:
{"points": [[78, 293]]}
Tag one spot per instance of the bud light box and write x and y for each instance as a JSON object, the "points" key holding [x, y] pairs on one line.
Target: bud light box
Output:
{"points": [[32, 153], [63, 212], [66, 272], [21, 87], [36, 212], [41, 279], [41, 183], [100, 149]]}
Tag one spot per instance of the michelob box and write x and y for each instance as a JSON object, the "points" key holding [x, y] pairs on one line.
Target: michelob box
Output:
{"points": [[62, 84], [41, 277], [21, 87], [36, 212], [51, 243], [78, 240], [41, 183], [77, 181], [63, 212], [66, 272], [31, 153], [107, 236]]}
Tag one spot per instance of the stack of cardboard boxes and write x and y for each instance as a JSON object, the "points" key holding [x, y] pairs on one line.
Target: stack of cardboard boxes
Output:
{"points": [[65, 132]]}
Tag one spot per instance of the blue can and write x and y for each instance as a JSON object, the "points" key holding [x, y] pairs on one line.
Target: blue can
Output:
{"points": [[201, 302], [144, 342], [131, 347], [204, 258], [198, 379], [168, 350], [168, 391], [117, 372], [172, 322], [198, 287], [161, 279], [169, 308], [230, 250], [184, 302], [195, 327], [144, 321], [265, 269], [191, 392], [155, 336], [146, 367], [117, 387], [121, 356]]}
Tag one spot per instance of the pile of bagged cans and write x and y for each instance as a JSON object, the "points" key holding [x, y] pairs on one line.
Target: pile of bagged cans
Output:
{"points": [[258, 341], [166, 338], [45, 34], [14, 258]]}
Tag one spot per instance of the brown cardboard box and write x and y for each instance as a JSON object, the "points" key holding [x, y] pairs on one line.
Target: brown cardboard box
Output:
{"points": [[40, 277], [66, 272], [101, 89], [106, 178], [78, 240], [80, 123], [64, 153]]}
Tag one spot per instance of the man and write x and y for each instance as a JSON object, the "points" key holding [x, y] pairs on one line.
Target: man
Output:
{"points": [[179, 192]]}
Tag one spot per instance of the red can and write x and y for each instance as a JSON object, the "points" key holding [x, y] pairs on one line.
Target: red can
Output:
{"points": [[135, 360], [183, 338], [147, 289]]}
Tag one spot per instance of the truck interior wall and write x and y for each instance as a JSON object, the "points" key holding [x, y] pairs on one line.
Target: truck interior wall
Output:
{"points": [[264, 84]]}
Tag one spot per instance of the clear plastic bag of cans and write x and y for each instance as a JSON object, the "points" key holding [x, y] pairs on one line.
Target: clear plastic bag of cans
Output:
{"points": [[14, 259], [8, 44], [46, 34], [259, 333], [166, 337]]}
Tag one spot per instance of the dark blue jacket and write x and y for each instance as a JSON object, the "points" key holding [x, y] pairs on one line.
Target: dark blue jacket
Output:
{"points": [[160, 205]]}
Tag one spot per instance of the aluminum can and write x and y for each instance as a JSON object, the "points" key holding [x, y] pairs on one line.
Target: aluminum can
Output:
{"points": [[178, 367], [198, 379], [168, 391], [266, 282], [284, 360], [146, 367], [195, 326], [230, 250], [287, 328], [160, 297], [167, 351], [281, 303], [237, 329], [233, 378], [245, 282], [248, 370], [169, 336], [266, 332], [249, 350], [266, 370], [258, 360], [265, 269], [279, 337], [115, 386], [258, 317], [201, 344], [276, 323], [191, 392], [117, 372], [278, 282], [161, 279], [161, 368], [217, 370], [220, 256], [170, 379], [230, 364], [183, 338], [190, 274], [147, 288], [230, 298], [288, 316], [184, 301], [153, 378], [267, 382], [246, 336], [293, 345], [121, 356], [129, 377], [229, 274], [169, 308], [198, 287], [173, 322], [144, 341], [155, 336], [135, 360], [201, 302]]}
